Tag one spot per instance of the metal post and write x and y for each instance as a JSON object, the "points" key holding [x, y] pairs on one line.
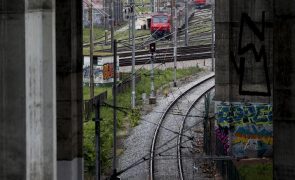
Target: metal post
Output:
{"points": [[152, 6], [175, 44], [172, 5], [152, 77], [112, 24], [213, 35], [206, 120], [115, 108], [105, 17], [133, 55], [129, 21], [205, 124], [105, 36], [97, 139], [91, 53], [186, 23]]}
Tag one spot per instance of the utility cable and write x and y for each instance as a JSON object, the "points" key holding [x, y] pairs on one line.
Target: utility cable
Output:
{"points": [[163, 127]]}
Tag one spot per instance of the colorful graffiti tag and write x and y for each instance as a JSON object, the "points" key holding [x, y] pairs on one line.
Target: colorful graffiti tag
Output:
{"points": [[222, 136], [108, 71], [241, 114], [250, 127]]}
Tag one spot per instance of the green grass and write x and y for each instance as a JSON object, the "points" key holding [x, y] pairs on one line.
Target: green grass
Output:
{"points": [[97, 33], [256, 172], [132, 117], [125, 34], [97, 90], [118, 35]]}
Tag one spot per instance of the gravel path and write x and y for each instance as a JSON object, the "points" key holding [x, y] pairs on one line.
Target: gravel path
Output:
{"points": [[137, 145]]}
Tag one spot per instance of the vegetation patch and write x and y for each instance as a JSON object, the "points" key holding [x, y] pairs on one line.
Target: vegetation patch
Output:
{"points": [[256, 171]]}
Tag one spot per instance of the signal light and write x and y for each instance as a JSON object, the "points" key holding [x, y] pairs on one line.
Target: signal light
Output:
{"points": [[153, 47]]}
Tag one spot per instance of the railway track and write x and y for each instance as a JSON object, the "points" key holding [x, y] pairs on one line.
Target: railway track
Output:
{"points": [[164, 55], [167, 127], [181, 136], [197, 23]]}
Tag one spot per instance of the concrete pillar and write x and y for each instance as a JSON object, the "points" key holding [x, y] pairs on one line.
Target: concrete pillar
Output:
{"points": [[241, 23], [27, 90], [69, 89], [284, 88], [244, 76], [279, 44]]}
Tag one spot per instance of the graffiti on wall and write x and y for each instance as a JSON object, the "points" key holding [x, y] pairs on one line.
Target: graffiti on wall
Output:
{"points": [[222, 136], [101, 74], [250, 48], [250, 128], [108, 71], [239, 114]]}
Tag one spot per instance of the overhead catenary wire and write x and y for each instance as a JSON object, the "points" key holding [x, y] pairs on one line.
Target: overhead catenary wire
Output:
{"points": [[163, 127]]}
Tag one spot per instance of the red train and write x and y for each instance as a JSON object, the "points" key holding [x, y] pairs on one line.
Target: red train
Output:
{"points": [[161, 25], [202, 3], [161, 21]]}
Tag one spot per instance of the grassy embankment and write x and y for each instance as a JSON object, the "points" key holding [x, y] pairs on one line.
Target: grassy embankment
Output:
{"points": [[256, 171], [130, 119]]}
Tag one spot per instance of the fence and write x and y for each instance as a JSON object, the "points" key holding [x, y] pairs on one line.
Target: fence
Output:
{"points": [[227, 168], [88, 105], [122, 87]]}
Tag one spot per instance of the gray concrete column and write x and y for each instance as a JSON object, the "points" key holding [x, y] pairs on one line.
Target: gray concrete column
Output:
{"points": [[27, 90], [244, 30], [279, 42], [284, 88], [69, 89], [244, 76]]}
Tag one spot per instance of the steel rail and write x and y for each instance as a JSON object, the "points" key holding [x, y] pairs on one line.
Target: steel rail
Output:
{"points": [[179, 140], [155, 136]]}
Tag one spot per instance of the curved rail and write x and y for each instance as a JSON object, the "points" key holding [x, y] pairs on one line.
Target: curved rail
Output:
{"points": [[179, 140], [152, 152]]}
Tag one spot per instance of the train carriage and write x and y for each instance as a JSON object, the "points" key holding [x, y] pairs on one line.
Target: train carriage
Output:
{"points": [[161, 25], [161, 22]]}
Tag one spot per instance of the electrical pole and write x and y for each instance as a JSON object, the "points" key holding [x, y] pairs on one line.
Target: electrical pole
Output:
{"points": [[115, 110], [175, 43], [152, 6], [112, 24], [171, 11], [105, 23], [132, 6], [97, 139], [206, 139], [186, 23], [105, 17], [129, 21], [91, 52], [213, 35]]}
